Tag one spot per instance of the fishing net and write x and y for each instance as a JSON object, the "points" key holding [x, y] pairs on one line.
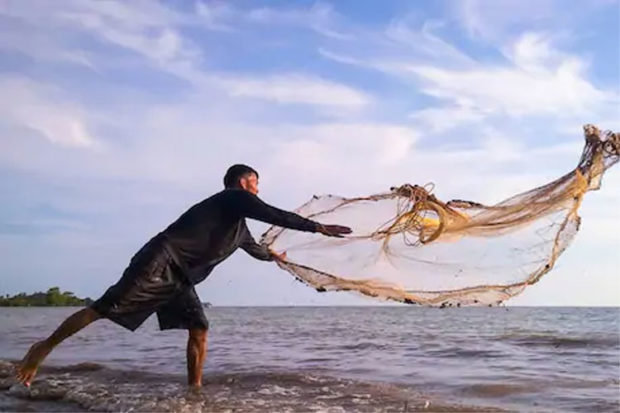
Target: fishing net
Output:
{"points": [[409, 246]]}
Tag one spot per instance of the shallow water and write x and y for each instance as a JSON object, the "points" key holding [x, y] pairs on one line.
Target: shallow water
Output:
{"points": [[546, 359]]}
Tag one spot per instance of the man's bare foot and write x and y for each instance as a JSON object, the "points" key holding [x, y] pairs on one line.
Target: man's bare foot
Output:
{"points": [[29, 365]]}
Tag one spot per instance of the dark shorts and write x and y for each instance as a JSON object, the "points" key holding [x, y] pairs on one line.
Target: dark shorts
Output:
{"points": [[152, 282]]}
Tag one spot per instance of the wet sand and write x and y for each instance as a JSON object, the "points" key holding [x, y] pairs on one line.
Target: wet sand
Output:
{"points": [[92, 387]]}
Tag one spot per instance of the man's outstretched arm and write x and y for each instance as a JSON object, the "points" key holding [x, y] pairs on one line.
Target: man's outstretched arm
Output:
{"points": [[248, 205]]}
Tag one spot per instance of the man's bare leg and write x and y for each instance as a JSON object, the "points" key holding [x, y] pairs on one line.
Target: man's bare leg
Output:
{"points": [[196, 354], [74, 323]]}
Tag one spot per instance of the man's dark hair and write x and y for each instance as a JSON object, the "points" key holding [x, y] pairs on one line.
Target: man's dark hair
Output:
{"points": [[236, 172]]}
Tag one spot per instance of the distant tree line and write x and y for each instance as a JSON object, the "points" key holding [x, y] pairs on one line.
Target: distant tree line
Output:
{"points": [[52, 298]]}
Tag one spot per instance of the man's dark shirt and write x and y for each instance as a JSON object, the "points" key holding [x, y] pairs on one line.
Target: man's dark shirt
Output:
{"points": [[213, 229]]}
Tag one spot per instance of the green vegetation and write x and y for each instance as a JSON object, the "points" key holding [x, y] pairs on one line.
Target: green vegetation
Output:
{"points": [[52, 298]]}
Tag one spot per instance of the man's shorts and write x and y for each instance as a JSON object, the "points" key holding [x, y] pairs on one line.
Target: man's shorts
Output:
{"points": [[152, 282]]}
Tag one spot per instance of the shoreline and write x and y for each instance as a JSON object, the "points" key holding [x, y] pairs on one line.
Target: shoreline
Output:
{"points": [[93, 387]]}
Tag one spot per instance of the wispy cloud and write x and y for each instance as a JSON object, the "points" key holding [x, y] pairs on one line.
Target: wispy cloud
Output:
{"points": [[147, 29], [537, 81], [534, 78], [154, 32], [441, 119], [495, 21], [44, 109], [293, 88], [320, 17], [531, 86], [398, 48]]}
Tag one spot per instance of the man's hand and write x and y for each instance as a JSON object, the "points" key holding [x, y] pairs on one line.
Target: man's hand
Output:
{"points": [[278, 257], [333, 230]]}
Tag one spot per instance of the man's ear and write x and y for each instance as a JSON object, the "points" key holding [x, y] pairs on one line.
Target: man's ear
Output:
{"points": [[243, 183]]}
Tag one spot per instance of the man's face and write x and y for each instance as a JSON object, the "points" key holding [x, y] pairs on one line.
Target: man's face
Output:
{"points": [[250, 183]]}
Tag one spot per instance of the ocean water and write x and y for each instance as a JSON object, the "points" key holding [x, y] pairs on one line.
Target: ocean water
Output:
{"points": [[329, 359]]}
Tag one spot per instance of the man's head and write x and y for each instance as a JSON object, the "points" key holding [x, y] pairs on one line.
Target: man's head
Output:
{"points": [[243, 177]]}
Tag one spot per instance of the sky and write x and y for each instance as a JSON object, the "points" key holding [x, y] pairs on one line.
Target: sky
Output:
{"points": [[117, 116]]}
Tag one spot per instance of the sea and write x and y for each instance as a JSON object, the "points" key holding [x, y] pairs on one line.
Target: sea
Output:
{"points": [[328, 359]]}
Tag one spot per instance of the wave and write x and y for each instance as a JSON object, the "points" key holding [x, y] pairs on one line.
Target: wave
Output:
{"points": [[364, 345], [497, 390], [558, 341], [457, 352]]}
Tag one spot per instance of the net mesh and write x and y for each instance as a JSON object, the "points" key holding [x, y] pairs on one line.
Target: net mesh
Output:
{"points": [[409, 246]]}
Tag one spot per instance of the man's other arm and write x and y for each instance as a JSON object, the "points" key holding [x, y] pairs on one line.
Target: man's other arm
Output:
{"points": [[249, 245]]}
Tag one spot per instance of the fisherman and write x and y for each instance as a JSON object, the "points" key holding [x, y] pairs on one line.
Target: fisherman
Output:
{"points": [[161, 277]]}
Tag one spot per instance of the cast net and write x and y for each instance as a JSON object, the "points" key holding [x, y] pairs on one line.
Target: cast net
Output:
{"points": [[409, 246]]}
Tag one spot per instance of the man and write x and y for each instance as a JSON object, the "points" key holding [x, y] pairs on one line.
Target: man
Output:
{"points": [[161, 276]]}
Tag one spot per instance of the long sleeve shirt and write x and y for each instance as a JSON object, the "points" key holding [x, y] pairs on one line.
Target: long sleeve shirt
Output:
{"points": [[213, 229]]}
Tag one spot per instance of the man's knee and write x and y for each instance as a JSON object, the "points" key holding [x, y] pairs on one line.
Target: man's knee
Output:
{"points": [[198, 335], [91, 314]]}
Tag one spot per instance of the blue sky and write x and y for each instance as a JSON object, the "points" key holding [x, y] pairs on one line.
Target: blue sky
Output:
{"points": [[117, 116]]}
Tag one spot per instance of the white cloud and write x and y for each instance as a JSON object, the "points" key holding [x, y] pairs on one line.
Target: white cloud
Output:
{"points": [[494, 21], [151, 31], [319, 18], [370, 143], [294, 88], [156, 40], [214, 16], [43, 108], [344, 158], [398, 49], [533, 52], [541, 81], [42, 46], [514, 92], [425, 43], [49, 31], [390, 65], [441, 119], [536, 79]]}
